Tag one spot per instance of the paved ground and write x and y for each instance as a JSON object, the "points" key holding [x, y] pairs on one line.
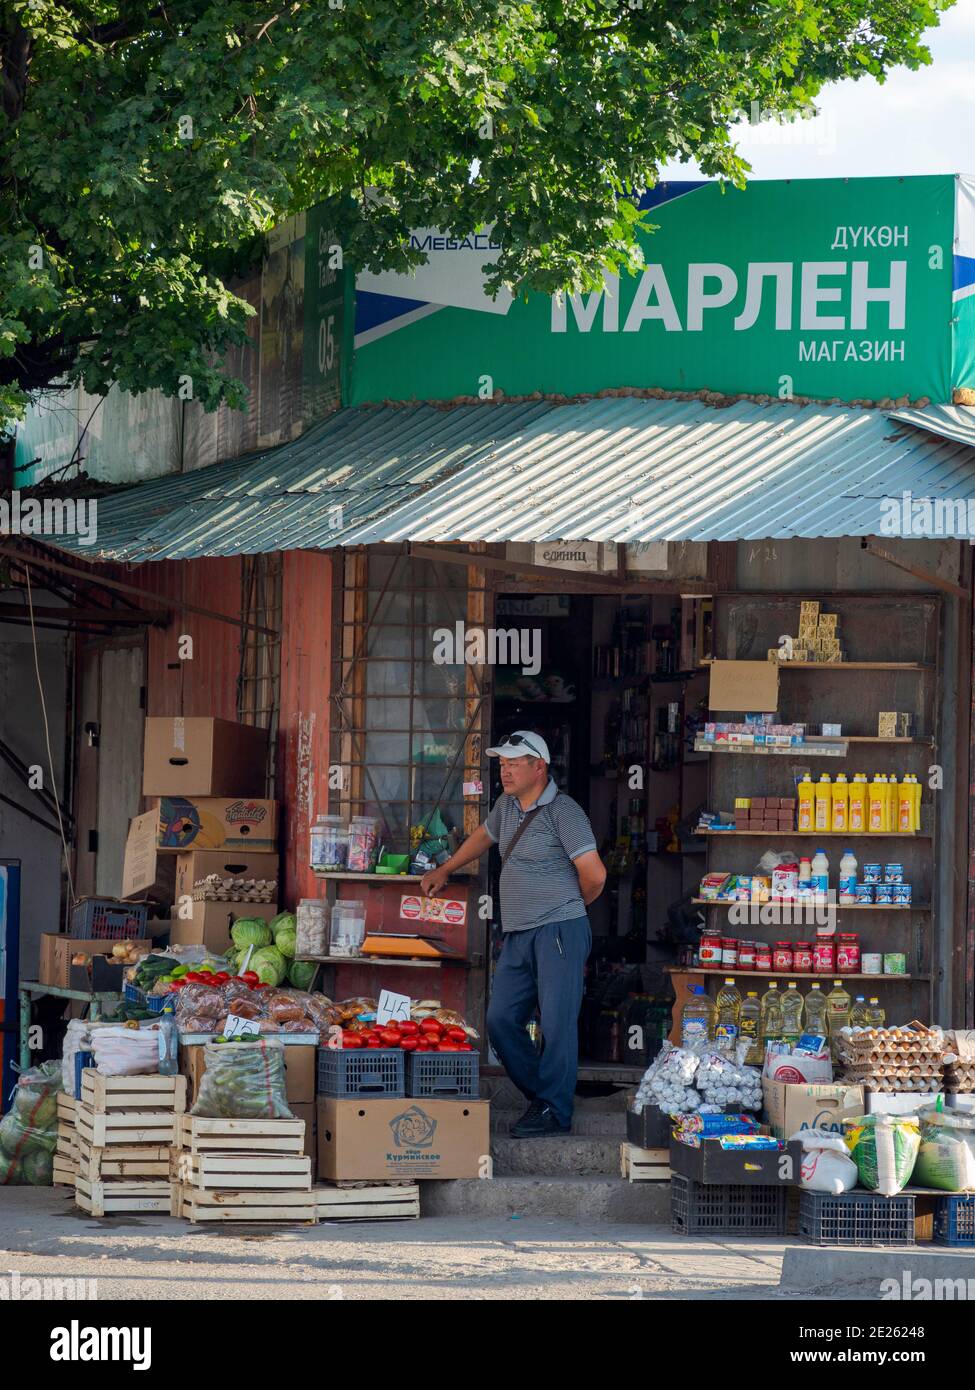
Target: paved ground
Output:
{"points": [[43, 1234]]}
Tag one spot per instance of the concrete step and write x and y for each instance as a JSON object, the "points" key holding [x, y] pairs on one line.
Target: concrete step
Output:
{"points": [[570, 1198], [599, 1124], [567, 1155], [504, 1094]]}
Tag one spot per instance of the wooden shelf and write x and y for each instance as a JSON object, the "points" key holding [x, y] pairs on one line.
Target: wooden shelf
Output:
{"points": [[398, 961], [818, 834], [854, 666], [794, 903], [770, 975], [814, 749], [873, 738], [382, 878]]}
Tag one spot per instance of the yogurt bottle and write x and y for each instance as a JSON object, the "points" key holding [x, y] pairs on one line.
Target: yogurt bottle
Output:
{"points": [[848, 877]]}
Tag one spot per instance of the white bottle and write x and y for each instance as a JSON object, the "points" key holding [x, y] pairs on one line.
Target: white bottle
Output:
{"points": [[820, 874], [848, 877]]}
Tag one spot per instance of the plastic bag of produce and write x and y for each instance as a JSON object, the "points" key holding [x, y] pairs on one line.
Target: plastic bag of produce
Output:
{"points": [[946, 1158], [884, 1149], [826, 1162], [204, 1001], [126, 1051], [243, 1081], [29, 1130]]}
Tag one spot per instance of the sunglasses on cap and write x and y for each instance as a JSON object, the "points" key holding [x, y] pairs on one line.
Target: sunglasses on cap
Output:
{"points": [[519, 741]]}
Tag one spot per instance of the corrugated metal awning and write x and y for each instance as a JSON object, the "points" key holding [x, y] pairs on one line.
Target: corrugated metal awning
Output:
{"points": [[955, 422], [614, 469]]}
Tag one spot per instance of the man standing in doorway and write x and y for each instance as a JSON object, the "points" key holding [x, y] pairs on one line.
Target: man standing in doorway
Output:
{"points": [[550, 872]]}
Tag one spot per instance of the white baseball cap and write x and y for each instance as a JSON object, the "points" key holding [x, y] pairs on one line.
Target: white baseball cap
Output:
{"points": [[521, 744]]}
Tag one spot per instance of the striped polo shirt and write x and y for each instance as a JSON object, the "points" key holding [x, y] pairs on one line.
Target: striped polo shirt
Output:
{"points": [[539, 883]]}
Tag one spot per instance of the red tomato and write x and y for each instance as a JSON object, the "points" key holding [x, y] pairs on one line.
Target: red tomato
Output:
{"points": [[251, 976], [465, 1047], [408, 1028], [448, 1047], [193, 977], [222, 976], [423, 1047], [351, 1040], [457, 1034], [177, 984], [391, 1037], [374, 1042], [432, 1026], [410, 1044]]}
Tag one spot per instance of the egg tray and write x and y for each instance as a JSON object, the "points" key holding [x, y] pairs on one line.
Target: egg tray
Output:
{"points": [[890, 1084], [214, 889], [886, 1058], [895, 1069]]}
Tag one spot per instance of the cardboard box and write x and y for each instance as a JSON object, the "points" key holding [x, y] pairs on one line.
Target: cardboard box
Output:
{"points": [[900, 1102], [793, 1069], [56, 968], [791, 1108], [244, 823], [406, 1138], [203, 757], [744, 685], [145, 872], [210, 924], [201, 863], [299, 1072], [308, 1113]]}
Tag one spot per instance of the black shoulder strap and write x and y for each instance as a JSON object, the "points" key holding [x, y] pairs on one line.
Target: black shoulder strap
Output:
{"points": [[523, 827]]}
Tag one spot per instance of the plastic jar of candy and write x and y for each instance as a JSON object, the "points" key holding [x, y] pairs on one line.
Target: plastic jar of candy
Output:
{"points": [[363, 844], [802, 957], [329, 844], [782, 957], [312, 927], [848, 954]]}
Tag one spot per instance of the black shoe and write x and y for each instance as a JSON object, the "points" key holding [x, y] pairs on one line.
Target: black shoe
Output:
{"points": [[536, 1126], [528, 1116]]}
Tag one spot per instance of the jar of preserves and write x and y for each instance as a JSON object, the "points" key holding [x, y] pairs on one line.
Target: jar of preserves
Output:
{"points": [[763, 956], [709, 951], [729, 953], [782, 957], [824, 956], [848, 954], [802, 957], [746, 955]]}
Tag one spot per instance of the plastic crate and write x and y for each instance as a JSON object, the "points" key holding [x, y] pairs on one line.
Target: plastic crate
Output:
{"points": [[699, 1209], [155, 1003], [81, 1061], [954, 1220], [856, 1218], [107, 919], [348, 1072], [443, 1075]]}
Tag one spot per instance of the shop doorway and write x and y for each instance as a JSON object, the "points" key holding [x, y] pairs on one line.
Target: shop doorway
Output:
{"points": [[618, 695]]}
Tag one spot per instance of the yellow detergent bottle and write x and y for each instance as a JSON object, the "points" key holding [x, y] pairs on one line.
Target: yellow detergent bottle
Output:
{"points": [[892, 795], [916, 788], [840, 805], [823, 803], [805, 793], [905, 805], [858, 804], [877, 805]]}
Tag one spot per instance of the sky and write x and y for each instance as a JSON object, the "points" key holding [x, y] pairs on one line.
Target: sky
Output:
{"points": [[914, 123]]}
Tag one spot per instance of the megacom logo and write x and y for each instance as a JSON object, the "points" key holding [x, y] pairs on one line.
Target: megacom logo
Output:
{"points": [[952, 518]]}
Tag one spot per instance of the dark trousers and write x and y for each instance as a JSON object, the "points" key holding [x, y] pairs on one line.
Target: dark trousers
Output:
{"points": [[543, 968]]}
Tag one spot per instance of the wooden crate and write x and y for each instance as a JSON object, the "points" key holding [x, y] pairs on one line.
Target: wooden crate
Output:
{"points": [[108, 1094], [249, 1205], [67, 1105], [644, 1165], [383, 1202], [109, 1198], [126, 1127], [237, 1171], [64, 1172], [66, 1144], [201, 1135], [131, 1162]]}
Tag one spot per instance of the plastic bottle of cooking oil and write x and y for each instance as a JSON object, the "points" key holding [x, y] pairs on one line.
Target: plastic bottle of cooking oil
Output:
{"points": [[697, 1019], [749, 1023], [728, 1005], [838, 1004], [770, 1018], [858, 1014], [823, 803], [816, 1010], [858, 804], [840, 804], [876, 1017], [792, 1002], [806, 794]]}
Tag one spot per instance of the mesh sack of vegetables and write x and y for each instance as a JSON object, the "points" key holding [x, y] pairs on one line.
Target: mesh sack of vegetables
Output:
{"points": [[243, 1081], [884, 1149], [29, 1130]]}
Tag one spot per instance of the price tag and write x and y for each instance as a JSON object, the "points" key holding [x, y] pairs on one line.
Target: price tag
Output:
{"points": [[392, 1006], [241, 1027]]}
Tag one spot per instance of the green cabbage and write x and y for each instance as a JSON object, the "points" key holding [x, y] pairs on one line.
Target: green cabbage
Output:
{"points": [[250, 931], [283, 919], [301, 973], [269, 965], [286, 941]]}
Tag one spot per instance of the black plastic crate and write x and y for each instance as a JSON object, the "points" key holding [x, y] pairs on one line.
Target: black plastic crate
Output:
{"points": [[856, 1218], [107, 919], [371, 1071], [443, 1075], [954, 1221], [648, 1129], [699, 1209], [710, 1164]]}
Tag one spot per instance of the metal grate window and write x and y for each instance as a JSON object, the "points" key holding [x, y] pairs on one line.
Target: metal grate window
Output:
{"points": [[258, 681]]}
